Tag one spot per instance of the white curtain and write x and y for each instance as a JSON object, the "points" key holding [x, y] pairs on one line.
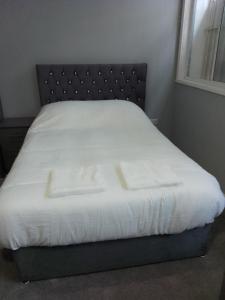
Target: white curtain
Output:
{"points": [[214, 15], [219, 72]]}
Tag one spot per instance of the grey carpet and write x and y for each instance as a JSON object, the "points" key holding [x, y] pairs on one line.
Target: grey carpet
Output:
{"points": [[191, 279]]}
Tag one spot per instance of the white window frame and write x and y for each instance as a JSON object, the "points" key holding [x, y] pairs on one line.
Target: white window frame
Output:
{"points": [[211, 86]]}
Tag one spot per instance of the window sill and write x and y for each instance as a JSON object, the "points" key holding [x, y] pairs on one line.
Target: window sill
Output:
{"points": [[213, 87]]}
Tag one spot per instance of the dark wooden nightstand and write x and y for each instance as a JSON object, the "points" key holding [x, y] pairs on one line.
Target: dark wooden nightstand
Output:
{"points": [[12, 134]]}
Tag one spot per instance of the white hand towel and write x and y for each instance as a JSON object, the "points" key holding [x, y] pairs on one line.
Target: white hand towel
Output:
{"points": [[144, 174], [83, 180]]}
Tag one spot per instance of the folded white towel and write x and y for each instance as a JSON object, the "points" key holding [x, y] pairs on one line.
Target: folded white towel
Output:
{"points": [[144, 174], [83, 180]]}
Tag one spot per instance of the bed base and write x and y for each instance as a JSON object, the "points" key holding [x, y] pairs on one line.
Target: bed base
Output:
{"points": [[37, 263]]}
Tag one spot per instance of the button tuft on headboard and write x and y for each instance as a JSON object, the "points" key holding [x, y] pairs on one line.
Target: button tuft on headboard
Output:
{"points": [[109, 81]]}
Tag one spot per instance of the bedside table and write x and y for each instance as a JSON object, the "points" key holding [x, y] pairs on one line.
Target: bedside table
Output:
{"points": [[12, 134]]}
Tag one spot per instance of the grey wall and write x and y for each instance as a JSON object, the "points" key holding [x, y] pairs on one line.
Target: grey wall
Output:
{"points": [[87, 31], [199, 128]]}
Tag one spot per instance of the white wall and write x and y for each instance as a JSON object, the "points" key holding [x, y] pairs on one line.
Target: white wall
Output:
{"points": [[87, 31]]}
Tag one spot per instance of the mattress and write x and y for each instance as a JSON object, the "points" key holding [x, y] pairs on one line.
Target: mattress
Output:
{"points": [[79, 133]]}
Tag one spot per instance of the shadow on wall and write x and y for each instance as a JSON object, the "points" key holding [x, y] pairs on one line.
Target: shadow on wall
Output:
{"points": [[165, 116], [199, 128]]}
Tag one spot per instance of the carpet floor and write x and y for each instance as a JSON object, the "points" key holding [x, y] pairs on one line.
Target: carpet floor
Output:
{"points": [[190, 279]]}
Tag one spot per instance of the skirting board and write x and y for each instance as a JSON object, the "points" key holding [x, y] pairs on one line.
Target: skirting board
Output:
{"points": [[37, 263]]}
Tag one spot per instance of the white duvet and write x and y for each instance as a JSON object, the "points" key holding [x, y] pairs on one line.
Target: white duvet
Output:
{"points": [[72, 134]]}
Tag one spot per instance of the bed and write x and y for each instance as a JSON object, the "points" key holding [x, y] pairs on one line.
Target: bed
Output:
{"points": [[94, 114]]}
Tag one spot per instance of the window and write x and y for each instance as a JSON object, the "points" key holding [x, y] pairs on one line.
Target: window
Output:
{"points": [[201, 59]]}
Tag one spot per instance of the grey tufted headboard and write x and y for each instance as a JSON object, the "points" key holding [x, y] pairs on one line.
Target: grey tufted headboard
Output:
{"points": [[92, 82]]}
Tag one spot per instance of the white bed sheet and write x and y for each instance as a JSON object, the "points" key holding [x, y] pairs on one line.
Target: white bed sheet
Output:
{"points": [[77, 133]]}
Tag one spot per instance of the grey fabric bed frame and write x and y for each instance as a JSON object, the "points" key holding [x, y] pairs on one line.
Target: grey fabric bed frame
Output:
{"points": [[101, 82], [36, 263]]}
